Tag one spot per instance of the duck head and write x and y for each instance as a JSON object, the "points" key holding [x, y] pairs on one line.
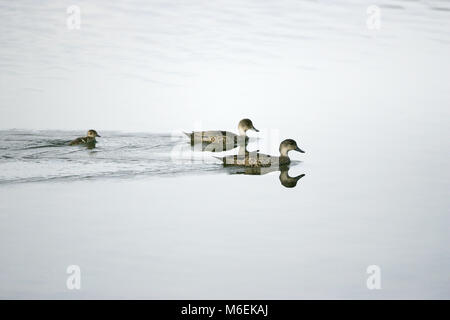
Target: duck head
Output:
{"points": [[288, 145], [244, 125], [92, 134]]}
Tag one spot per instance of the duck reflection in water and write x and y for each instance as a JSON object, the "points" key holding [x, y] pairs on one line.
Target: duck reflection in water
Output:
{"points": [[285, 179]]}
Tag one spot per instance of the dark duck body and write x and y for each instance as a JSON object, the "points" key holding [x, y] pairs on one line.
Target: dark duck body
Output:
{"points": [[223, 140], [89, 140], [256, 159]]}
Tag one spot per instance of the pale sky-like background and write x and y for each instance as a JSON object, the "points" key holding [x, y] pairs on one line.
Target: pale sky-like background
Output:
{"points": [[171, 65], [369, 106]]}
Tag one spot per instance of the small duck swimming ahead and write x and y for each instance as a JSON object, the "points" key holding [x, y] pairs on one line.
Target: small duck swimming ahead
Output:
{"points": [[255, 159], [223, 137], [89, 140]]}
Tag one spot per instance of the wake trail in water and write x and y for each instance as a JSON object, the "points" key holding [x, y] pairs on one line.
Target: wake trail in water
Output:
{"points": [[39, 156]]}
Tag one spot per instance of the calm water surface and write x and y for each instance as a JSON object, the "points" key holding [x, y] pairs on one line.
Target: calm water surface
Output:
{"points": [[145, 216]]}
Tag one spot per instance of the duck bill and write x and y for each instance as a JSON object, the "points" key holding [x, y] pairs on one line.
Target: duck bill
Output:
{"points": [[299, 150], [255, 129], [99, 136]]}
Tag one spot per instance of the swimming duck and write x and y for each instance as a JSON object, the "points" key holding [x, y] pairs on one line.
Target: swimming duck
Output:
{"points": [[224, 139], [88, 140], [255, 159]]}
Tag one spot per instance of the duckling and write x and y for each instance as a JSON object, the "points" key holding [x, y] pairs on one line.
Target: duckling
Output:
{"points": [[223, 138], [255, 159], [88, 140]]}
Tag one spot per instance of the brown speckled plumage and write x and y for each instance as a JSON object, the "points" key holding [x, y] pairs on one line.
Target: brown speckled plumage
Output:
{"points": [[255, 159], [223, 139]]}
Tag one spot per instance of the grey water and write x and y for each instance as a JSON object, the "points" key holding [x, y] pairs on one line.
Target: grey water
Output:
{"points": [[145, 215], [40, 156]]}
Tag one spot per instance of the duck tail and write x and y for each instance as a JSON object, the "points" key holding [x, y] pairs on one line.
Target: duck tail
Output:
{"points": [[188, 134]]}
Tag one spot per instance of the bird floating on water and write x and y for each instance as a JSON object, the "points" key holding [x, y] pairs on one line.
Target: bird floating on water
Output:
{"points": [[223, 140], [256, 159], [89, 140]]}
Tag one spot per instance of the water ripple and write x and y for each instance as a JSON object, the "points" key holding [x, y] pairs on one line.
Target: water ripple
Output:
{"points": [[41, 156]]}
